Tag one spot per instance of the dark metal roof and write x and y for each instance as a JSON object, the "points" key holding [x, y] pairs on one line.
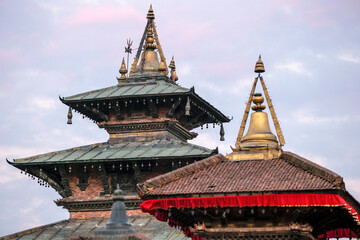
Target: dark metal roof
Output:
{"points": [[139, 89], [146, 225], [131, 89], [216, 174], [125, 151]]}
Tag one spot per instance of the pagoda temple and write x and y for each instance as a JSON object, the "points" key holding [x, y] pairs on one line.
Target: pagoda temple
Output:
{"points": [[258, 191], [149, 118]]}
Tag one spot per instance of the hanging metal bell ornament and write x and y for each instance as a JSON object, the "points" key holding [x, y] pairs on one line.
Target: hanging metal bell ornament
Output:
{"points": [[69, 116], [222, 133]]}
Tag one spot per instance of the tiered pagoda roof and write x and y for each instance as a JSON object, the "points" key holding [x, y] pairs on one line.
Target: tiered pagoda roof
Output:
{"points": [[149, 118], [150, 90]]}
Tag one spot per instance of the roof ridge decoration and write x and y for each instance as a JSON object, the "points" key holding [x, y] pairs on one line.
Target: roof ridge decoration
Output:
{"points": [[269, 147], [150, 34]]}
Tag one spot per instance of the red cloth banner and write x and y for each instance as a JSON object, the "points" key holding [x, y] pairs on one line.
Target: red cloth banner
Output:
{"points": [[271, 200], [341, 233]]}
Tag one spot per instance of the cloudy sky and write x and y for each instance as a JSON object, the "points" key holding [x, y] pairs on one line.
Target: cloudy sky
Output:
{"points": [[311, 52]]}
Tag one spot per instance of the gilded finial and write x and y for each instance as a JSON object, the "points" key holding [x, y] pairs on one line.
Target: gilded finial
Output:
{"points": [[150, 14], [122, 70], [173, 75], [150, 39], [259, 67], [258, 100]]}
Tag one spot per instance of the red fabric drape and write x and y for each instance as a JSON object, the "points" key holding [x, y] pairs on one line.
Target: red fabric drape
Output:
{"points": [[271, 200], [341, 233]]}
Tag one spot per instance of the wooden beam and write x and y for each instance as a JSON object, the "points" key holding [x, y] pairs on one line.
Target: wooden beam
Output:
{"points": [[195, 119], [64, 180], [174, 107], [153, 110], [118, 113], [104, 179], [101, 114], [137, 173]]}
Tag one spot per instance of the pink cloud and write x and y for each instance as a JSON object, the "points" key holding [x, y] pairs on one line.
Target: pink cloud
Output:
{"points": [[318, 18], [104, 14], [7, 55]]}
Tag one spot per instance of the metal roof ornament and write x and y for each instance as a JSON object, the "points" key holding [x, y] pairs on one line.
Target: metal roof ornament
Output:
{"points": [[118, 218], [69, 116], [222, 132], [259, 67], [150, 24], [260, 122], [150, 14], [128, 50], [173, 75], [122, 70], [259, 134]]}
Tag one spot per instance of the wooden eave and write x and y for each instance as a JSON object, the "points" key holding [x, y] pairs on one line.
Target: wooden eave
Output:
{"points": [[86, 106]]}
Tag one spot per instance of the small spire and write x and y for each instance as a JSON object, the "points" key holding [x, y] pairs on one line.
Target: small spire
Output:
{"points": [[172, 63], [118, 218], [118, 194], [150, 14], [173, 75], [259, 67], [123, 70]]}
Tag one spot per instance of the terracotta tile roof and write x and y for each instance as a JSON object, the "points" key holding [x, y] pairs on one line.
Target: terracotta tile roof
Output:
{"points": [[216, 174]]}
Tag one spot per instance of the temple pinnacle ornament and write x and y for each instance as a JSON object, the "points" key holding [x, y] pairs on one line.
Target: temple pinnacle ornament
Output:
{"points": [[259, 67]]}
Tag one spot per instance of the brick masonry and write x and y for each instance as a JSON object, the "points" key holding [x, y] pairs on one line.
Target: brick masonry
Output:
{"points": [[94, 188]]}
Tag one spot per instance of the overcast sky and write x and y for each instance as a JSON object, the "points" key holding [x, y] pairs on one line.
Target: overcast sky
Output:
{"points": [[311, 52]]}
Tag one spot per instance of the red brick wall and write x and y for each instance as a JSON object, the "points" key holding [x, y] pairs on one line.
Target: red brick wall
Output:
{"points": [[93, 189]]}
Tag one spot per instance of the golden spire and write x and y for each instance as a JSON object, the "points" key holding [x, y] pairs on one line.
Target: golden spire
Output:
{"points": [[259, 142], [150, 14], [149, 60], [259, 135], [150, 24]]}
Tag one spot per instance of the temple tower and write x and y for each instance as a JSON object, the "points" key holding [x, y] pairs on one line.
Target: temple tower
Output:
{"points": [[149, 118]]}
